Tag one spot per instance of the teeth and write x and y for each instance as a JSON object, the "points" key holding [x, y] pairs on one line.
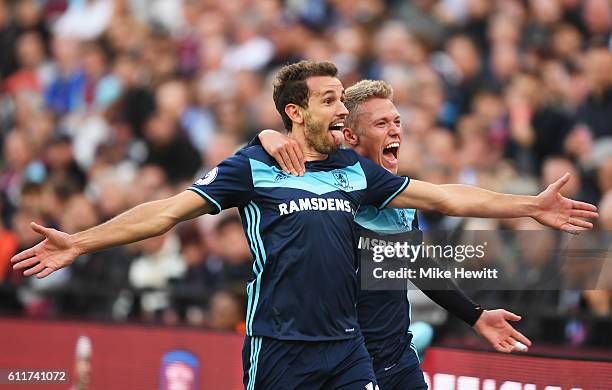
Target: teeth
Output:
{"points": [[393, 145]]}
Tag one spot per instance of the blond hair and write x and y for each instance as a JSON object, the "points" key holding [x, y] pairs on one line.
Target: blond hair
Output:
{"points": [[361, 92]]}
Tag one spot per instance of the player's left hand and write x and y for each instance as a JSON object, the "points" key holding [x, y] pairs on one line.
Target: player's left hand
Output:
{"points": [[556, 211], [494, 327]]}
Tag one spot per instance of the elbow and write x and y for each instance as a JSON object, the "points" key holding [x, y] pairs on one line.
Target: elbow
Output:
{"points": [[447, 207], [165, 223]]}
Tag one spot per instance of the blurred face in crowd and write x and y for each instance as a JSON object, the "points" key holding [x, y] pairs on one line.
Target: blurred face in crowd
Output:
{"points": [[546, 12], [599, 68], [465, 56], [66, 52], [30, 50], [225, 311], [598, 16], [566, 41], [17, 150], [160, 129], [377, 133], [325, 113], [172, 97], [232, 244]]}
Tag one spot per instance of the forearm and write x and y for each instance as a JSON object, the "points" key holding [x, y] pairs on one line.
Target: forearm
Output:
{"points": [[457, 303], [138, 223], [469, 201]]}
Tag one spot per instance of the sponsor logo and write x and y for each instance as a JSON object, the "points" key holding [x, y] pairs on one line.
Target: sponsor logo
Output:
{"points": [[281, 176], [316, 204]]}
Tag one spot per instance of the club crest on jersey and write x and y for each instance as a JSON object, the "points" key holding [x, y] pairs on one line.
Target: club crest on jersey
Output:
{"points": [[342, 180], [210, 176]]}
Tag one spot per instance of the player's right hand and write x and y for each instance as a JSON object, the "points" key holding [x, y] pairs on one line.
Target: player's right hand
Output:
{"points": [[56, 251], [285, 150]]}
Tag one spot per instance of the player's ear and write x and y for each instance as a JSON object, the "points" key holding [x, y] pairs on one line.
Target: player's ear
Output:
{"points": [[350, 136], [295, 113]]}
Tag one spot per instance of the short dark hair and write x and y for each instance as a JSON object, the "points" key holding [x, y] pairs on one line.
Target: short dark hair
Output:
{"points": [[290, 84]]}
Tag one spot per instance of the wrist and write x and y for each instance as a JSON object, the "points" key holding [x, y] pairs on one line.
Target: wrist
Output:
{"points": [[77, 244], [532, 206], [479, 311]]}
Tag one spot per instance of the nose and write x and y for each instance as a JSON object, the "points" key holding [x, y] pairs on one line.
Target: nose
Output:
{"points": [[342, 110], [395, 130]]}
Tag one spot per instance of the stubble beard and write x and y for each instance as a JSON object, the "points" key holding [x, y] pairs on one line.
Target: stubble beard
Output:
{"points": [[316, 136]]}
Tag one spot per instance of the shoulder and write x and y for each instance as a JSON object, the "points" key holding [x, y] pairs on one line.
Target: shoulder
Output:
{"points": [[348, 156], [255, 152]]}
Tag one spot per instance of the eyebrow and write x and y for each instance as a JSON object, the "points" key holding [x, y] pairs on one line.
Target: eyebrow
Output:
{"points": [[327, 92], [396, 117]]}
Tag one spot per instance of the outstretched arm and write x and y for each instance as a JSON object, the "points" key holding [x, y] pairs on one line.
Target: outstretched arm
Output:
{"points": [[549, 208], [492, 325], [60, 249]]}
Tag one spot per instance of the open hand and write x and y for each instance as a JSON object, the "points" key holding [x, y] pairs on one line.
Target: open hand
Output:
{"points": [[556, 211], [494, 327], [56, 251]]}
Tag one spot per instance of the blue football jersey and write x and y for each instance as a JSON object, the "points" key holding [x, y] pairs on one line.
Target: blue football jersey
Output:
{"points": [[384, 315], [302, 237]]}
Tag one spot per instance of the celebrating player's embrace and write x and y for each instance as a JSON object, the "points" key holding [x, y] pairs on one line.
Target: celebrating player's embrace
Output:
{"points": [[303, 326]]}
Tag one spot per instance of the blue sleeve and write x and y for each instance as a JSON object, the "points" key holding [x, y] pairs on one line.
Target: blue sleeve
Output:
{"points": [[383, 186], [227, 185]]}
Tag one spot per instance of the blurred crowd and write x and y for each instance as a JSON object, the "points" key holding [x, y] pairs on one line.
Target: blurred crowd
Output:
{"points": [[105, 104]]}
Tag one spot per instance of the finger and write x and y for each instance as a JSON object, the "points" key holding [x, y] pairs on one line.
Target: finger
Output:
{"points": [[511, 316], [561, 182], [26, 263], [44, 273], [39, 229], [295, 161], [288, 162], [279, 159], [517, 345], [583, 214], [300, 156], [504, 347], [507, 345], [23, 255], [520, 337], [571, 229], [583, 206], [34, 270], [580, 223]]}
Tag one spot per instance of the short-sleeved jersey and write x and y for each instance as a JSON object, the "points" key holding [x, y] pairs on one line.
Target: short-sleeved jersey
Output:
{"points": [[384, 315], [302, 237]]}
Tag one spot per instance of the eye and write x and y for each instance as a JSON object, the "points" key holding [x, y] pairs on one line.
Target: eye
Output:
{"points": [[328, 101]]}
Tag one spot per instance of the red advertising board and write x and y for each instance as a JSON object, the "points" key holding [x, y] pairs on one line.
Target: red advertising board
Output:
{"points": [[134, 357], [122, 356], [450, 369]]}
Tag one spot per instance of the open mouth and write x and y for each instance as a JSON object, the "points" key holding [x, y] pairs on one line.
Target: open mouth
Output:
{"points": [[337, 126], [390, 153]]}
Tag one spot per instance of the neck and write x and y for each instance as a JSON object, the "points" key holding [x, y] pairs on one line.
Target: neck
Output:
{"points": [[310, 154]]}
